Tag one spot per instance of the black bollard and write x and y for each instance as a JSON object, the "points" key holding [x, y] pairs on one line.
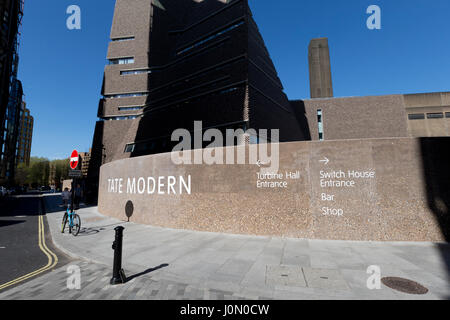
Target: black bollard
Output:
{"points": [[118, 273]]}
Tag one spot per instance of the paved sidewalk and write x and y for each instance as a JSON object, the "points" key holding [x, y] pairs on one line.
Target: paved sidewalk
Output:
{"points": [[180, 264]]}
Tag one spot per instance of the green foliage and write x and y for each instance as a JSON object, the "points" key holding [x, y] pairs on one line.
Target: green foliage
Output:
{"points": [[42, 172], [39, 171], [61, 168], [21, 175]]}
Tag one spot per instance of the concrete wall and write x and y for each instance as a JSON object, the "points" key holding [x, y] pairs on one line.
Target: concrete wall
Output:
{"points": [[428, 105], [404, 195], [358, 117], [379, 116]]}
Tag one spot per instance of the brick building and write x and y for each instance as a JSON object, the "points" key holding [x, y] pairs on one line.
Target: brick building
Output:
{"points": [[409, 115], [173, 63], [25, 137]]}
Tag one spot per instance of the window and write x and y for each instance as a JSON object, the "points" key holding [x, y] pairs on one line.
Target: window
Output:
{"points": [[131, 108], [228, 90], [416, 116], [447, 114], [115, 118], [199, 43], [439, 115], [320, 124], [129, 60], [129, 148], [123, 73], [125, 95], [122, 39]]}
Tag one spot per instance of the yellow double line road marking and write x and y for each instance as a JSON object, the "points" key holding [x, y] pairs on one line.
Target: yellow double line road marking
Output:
{"points": [[52, 258]]}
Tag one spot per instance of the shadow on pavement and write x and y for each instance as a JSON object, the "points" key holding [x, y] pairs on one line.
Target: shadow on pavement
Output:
{"points": [[146, 272], [5, 223], [89, 231], [17, 207], [435, 154], [94, 230]]}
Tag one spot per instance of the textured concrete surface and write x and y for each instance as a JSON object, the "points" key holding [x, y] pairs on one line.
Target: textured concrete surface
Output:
{"points": [[177, 264], [395, 203], [376, 116], [366, 117]]}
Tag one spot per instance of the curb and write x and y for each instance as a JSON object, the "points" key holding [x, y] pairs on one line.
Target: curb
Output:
{"points": [[59, 246]]}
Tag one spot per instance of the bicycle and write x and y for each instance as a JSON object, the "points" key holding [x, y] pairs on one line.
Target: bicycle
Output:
{"points": [[73, 220]]}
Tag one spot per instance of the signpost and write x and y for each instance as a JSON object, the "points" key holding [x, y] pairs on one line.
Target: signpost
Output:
{"points": [[74, 160], [74, 173]]}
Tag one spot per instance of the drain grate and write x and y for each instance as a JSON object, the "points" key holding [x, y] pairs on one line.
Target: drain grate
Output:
{"points": [[404, 285]]}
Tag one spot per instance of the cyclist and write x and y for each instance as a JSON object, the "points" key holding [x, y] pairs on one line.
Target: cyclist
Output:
{"points": [[66, 195]]}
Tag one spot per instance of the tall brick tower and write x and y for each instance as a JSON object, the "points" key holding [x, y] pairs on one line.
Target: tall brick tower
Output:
{"points": [[321, 85]]}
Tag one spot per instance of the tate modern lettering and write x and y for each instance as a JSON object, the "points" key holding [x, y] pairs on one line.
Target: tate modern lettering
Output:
{"points": [[150, 185]]}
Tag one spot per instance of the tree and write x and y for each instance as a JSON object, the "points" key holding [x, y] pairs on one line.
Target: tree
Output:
{"points": [[61, 171], [22, 174], [42, 172], [39, 171]]}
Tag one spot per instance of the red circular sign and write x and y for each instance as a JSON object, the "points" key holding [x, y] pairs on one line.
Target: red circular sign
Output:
{"points": [[74, 159]]}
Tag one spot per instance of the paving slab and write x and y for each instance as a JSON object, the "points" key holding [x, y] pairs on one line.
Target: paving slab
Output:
{"points": [[285, 276], [324, 279]]}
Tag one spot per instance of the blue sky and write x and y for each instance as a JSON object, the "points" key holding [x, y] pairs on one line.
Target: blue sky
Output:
{"points": [[62, 70]]}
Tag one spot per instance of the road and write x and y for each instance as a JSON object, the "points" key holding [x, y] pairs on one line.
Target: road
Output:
{"points": [[26, 248]]}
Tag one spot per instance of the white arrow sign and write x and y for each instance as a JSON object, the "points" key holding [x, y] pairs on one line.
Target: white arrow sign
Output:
{"points": [[326, 160], [260, 164]]}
